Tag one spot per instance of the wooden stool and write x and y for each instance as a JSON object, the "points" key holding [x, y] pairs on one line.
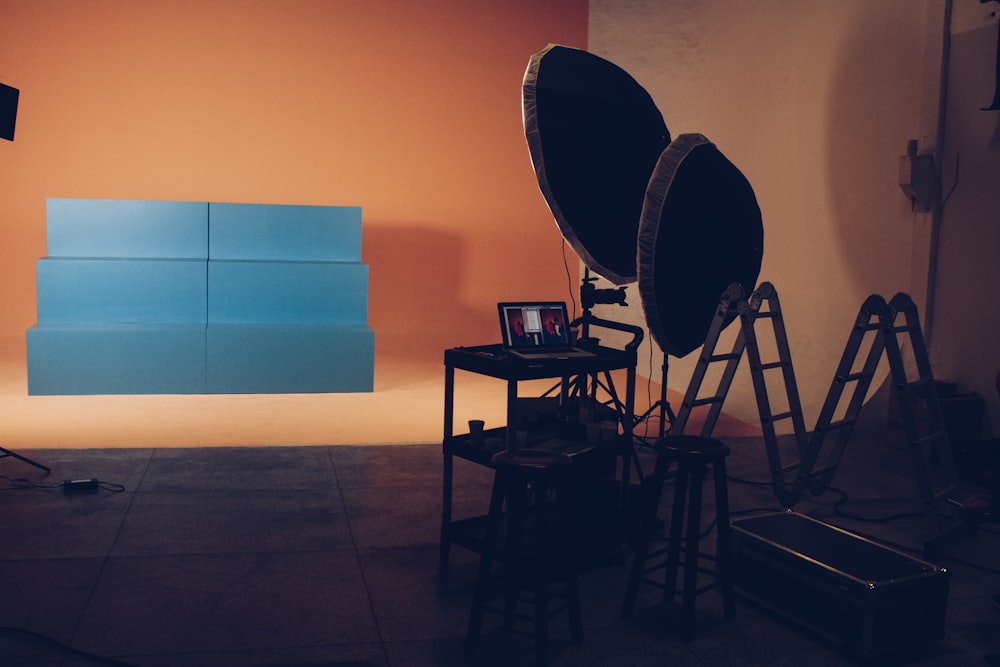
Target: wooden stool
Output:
{"points": [[532, 544], [692, 455]]}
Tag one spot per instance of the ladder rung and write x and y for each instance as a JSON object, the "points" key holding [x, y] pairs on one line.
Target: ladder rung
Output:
{"points": [[945, 494], [780, 416], [707, 401], [768, 313], [860, 375], [916, 390], [833, 426], [724, 357], [771, 365], [822, 471], [931, 438], [919, 383]]}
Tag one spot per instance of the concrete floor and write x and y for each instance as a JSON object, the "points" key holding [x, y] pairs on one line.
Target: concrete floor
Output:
{"points": [[328, 555]]}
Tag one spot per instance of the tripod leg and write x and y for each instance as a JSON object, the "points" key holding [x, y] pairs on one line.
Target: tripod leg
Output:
{"points": [[7, 452]]}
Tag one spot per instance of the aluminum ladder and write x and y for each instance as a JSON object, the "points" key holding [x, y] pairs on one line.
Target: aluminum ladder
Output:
{"points": [[875, 333], [920, 412]]}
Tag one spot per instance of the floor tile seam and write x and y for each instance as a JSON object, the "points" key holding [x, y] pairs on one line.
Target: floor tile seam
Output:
{"points": [[50, 559], [357, 557], [230, 490], [435, 485], [153, 451], [380, 646], [435, 545], [331, 470], [105, 560], [256, 552]]}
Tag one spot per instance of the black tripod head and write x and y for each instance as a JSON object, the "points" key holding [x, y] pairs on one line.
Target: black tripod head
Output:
{"points": [[591, 296]]}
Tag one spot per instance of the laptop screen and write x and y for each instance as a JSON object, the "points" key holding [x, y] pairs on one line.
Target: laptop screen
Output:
{"points": [[534, 325]]}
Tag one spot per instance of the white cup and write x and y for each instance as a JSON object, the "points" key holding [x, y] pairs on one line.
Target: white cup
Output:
{"points": [[609, 431], [476, 430], [520, 439]]}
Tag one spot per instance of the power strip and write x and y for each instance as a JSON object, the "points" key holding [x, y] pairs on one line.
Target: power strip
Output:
{"points": [[80, 485]]}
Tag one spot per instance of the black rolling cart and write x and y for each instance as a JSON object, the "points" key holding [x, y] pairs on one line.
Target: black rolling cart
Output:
{"points": [[584, 386]]}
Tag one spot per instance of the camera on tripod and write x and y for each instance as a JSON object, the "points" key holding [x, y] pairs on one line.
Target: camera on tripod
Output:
{"points": [[590, 295]]}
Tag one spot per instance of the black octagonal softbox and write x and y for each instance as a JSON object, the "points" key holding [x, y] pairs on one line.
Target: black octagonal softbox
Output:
{"points": [[700, 230], [594, 135]]}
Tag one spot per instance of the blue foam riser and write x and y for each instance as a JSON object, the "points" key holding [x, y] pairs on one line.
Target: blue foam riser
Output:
{"points": [[123, 359], [121, 290], [122, 228], [287, 292], [279, 232], [289, 359]]}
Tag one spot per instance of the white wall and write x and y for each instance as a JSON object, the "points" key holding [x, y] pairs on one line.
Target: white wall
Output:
{"points": [[815, 102], [966, 325]]}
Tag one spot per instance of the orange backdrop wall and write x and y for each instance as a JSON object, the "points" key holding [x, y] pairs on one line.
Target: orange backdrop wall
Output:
{"points": [[409, 109]]}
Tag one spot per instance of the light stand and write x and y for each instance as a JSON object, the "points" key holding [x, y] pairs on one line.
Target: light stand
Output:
{"points": [[662, 404], [591, 296], [4, 453], [8, 116]]}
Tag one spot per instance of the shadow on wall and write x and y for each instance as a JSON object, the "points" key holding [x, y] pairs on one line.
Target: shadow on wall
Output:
{"points": [[870, 113], [870, 214], [414, 295]]}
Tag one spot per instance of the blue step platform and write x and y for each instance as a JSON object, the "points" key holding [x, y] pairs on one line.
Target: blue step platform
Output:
{"points": [[122, 290], [269, 359], [105, 228], [285, 233], [143, 297]]}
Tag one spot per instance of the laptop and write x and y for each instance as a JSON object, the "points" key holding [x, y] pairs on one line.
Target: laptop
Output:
{"points": [[537, 330]]}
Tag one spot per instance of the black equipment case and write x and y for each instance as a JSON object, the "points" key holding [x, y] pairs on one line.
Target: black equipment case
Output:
{"points": [[867, 598]]}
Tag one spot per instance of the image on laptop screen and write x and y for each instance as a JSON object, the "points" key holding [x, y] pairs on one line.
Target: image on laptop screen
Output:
{"points": [[537, 325]]}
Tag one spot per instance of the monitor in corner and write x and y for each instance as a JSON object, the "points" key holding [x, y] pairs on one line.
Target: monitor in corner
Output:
{"points": [[8, 111]]}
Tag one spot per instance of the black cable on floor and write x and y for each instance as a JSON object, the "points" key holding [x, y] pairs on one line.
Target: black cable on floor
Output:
{"points": [[112, 487], [24, 484], [856, 517], [747, 482], [756, 510]]}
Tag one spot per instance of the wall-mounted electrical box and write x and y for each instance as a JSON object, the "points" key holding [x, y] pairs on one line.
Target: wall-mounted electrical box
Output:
{"points": [[916, 177]]}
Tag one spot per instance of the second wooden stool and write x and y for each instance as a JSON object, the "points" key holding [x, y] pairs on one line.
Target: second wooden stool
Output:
{"points": [[692, 456], [532, 545]]}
